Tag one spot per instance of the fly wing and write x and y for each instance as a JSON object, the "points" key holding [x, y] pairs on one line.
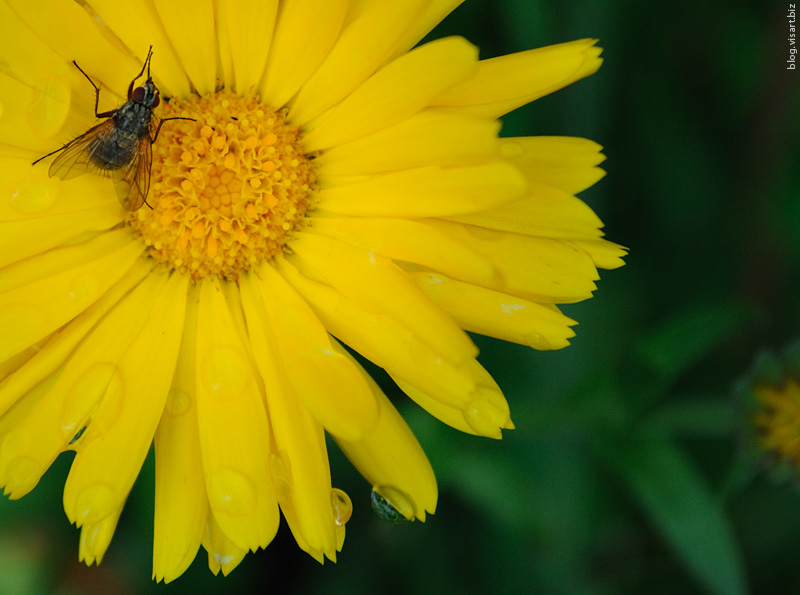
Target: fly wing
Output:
{"points": [[132, 182], [76, 156]]}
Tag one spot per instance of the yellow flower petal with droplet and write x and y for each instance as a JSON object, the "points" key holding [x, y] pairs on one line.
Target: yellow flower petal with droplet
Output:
{"points": [[326, 383], [485, 415], [223, 554], [181, 506], [59, 347], [381, 286], [410, 241], [234, 429], [391, 456], [564, 162], [119, 436], [541, 269], [31, 312], [382, 340], [101, 57], [496, 314], [299, 466], [96, 537]]}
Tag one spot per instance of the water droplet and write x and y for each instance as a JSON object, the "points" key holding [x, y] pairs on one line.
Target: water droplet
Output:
{"points": [[392, 505], [342, 506], [278, 468], [225, 372], [178, 402], [230, 492], [94, 503], [49, 106], [32, 196]]}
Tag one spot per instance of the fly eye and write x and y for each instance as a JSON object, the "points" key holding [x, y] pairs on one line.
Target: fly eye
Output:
{"points": [[138, 94], [156, 101]]}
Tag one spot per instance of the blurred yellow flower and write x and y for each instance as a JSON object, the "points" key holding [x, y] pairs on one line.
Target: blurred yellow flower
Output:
{"points": [[772, 397], [335, 183]]}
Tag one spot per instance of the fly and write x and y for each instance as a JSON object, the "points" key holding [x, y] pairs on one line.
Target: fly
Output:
{"points": [[120, 146]]}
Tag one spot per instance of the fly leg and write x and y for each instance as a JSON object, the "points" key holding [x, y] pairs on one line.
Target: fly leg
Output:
{"points": [[161, 123], [107, 114]]}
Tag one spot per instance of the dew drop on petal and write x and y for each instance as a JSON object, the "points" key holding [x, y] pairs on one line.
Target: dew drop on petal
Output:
{"points": [[342, 506], [392, 505], [34, 196], [49, 106], [178, 402], [280, 476], [231, 493]]}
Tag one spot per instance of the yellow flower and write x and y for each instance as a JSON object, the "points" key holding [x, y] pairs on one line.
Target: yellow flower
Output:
{"points": [[772, 398], [334, 183]]}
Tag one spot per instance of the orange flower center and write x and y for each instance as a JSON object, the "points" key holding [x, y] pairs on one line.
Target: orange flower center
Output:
{"points": [[227, 190]]}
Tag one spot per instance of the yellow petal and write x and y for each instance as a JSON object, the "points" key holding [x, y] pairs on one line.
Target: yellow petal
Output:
{"points": [[433, 14], [564, 162], [190, 27], [181, 505], [96, 537], [306, 31], [21, 239], [249, 25], [429, 138], [546, 211], [496, 314], [540, 269], [138, 25], [299, 466], [428, 192], [101, 56], [119, 437], [604, 254], [33, 441], [396, 92], [27, 192], [223, 554], [56, 101], [382, 287], [234, 429], [326, 383], [391, 457], [360, 50], [56, 350], [505, 83], [486, 415], [33, 311], [412, 242], [382, 340]]}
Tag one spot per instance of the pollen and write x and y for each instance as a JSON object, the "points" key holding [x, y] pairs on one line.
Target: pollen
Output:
{"points": [[227, 190]]}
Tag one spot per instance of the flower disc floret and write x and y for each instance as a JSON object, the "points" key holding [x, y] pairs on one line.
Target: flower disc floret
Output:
{"points": [[227, 190]]}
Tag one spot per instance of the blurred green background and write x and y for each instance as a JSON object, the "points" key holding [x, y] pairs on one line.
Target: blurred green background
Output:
{"points": [[625, 473]]}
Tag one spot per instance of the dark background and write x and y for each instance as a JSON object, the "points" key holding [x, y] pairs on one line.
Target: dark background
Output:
{"points": [[626, 472]]}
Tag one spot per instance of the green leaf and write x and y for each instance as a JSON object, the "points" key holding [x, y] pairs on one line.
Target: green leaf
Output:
{"points": [[681, 506], [688, 336]]}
